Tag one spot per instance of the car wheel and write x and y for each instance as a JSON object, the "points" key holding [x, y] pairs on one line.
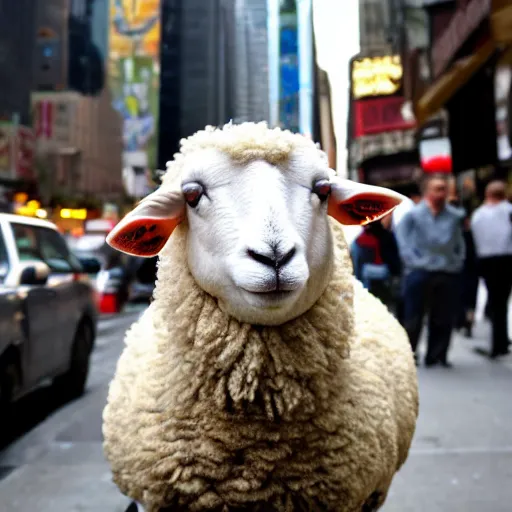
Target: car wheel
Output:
{"points": [[8, 382], [72, 383]]}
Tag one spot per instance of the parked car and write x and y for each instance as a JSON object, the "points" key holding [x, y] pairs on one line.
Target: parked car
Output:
{"points": [[48, 316], [122, 278]]}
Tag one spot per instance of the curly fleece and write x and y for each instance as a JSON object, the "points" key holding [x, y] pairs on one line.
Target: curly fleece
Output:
{"points": [[206, 413], [242, 143]]}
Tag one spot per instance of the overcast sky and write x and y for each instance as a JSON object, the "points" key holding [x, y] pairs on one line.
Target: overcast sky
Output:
{"points": [[336, 26]]}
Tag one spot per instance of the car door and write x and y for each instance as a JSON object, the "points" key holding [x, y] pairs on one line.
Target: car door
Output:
{"points": [[10, 315], [71, 293], [41, 310]]}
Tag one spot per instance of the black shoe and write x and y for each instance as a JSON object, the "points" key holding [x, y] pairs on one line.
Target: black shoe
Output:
{"points": [[491, 355], [500, 353], [431, 364], [446, 364], [482, 352]]}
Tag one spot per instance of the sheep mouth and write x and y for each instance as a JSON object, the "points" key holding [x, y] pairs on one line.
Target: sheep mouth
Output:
{"points": [[270, 296], [274, 294]]}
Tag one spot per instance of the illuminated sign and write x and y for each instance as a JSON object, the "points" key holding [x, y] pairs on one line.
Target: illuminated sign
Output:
{"points": [[70, 213], [376, 76], [32, 209], [378, 115]]}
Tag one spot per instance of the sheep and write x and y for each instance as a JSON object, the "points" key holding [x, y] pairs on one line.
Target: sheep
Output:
{"points": [[263, 376]]}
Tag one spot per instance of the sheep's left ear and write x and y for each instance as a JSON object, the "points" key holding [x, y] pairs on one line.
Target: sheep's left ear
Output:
{"points": [[357, 203], [146, 229]]}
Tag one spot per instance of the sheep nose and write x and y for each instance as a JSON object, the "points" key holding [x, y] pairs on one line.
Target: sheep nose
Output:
{"points": [[274, 258]]}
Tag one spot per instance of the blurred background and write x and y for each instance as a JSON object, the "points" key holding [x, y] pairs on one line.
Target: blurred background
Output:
{"points": [[95, 96]]}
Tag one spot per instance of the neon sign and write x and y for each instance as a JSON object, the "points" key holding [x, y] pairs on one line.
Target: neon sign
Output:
{"points": [[376, 76]]}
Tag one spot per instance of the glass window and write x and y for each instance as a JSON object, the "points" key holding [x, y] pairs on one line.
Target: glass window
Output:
{"points": [[4, 259], [26, 242], [43, 244]]}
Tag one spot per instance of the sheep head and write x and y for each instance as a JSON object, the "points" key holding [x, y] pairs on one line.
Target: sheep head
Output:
{"points": [[256, 202]]}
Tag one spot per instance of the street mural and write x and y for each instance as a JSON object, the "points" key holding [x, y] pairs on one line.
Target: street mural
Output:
{"points": [[134, 76]]}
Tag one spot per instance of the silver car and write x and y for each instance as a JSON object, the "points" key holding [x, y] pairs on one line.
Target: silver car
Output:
{"points": [[48, 313]]}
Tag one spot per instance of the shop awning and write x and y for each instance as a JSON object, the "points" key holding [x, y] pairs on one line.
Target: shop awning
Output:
{"points": [[462, 70], [501, 21], [450, 82]]}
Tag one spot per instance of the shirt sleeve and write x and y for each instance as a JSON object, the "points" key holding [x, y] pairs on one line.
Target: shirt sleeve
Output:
{"points": [[404, 238], [460, 244]]}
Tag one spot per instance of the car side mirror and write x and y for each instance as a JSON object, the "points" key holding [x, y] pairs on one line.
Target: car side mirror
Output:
{"points": [[32, 273], [90, 265]]}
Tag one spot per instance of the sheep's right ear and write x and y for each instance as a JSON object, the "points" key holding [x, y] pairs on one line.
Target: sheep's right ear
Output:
{"points": [[146, 229]]}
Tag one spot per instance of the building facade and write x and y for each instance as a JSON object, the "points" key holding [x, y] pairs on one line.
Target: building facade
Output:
{"points": [[214, 67], [381, 139], [77, 131], [469, 56]]}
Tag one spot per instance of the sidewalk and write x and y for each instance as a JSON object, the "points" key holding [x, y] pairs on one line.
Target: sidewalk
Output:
{"points": [[461, 458]]}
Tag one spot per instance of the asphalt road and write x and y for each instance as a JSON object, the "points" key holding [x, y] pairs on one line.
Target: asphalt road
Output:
{"points": [[58, 465], [461, 459]]}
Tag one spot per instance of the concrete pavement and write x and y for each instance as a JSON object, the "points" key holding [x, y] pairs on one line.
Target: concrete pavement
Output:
{"points": [[461, 459]]}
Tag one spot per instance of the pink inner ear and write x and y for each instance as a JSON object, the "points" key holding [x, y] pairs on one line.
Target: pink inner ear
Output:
{"points": [[144, 236], [362, 208]]}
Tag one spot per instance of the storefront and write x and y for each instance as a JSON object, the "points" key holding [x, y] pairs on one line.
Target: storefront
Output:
{"points": [[382, 146], [468, 45]]}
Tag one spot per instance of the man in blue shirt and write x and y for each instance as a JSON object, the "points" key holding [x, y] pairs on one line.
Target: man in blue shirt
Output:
{"points": [[431, 244]]}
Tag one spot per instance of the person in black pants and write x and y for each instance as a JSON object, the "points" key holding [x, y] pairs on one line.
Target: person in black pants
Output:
{"points": [[468, 285], [432, 249], [491, 224]]}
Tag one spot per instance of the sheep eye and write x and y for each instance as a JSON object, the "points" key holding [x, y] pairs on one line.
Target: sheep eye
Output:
{"points": [[193, 193], [322, 189]]}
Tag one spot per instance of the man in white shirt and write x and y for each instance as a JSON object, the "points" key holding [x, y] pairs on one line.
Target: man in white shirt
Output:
{"points": [[491, 225]]}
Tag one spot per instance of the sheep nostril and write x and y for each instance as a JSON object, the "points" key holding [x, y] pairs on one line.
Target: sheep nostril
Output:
{"points": [[276, 261], [262, 258], [283, 260]]}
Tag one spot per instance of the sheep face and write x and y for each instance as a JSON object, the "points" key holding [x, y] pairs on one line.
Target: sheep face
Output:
{"points": [[259, 238]]}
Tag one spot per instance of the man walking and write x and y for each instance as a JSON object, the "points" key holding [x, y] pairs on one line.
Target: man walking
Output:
{"points": [[431, 245], [491, 225]]}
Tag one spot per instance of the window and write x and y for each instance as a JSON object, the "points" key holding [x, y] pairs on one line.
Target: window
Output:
{"points": [[4, 259], [43, 244]]}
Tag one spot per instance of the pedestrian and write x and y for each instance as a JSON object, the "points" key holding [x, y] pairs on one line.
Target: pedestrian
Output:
{"points": [[469, 283], [491, 225], [432, 249], [376, 260], [413, 198]]}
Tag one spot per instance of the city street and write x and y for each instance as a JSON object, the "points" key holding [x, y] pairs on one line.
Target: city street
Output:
{"points": [[59, 465], [461, 459]]}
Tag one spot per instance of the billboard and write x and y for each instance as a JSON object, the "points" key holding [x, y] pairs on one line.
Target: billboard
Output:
{"points": [[134, 76], [16, 151], [289, 71], [6, 129]]}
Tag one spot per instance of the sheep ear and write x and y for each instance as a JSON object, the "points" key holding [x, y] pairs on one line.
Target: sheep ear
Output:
{"points": [[146, 229], [357, 203]]}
